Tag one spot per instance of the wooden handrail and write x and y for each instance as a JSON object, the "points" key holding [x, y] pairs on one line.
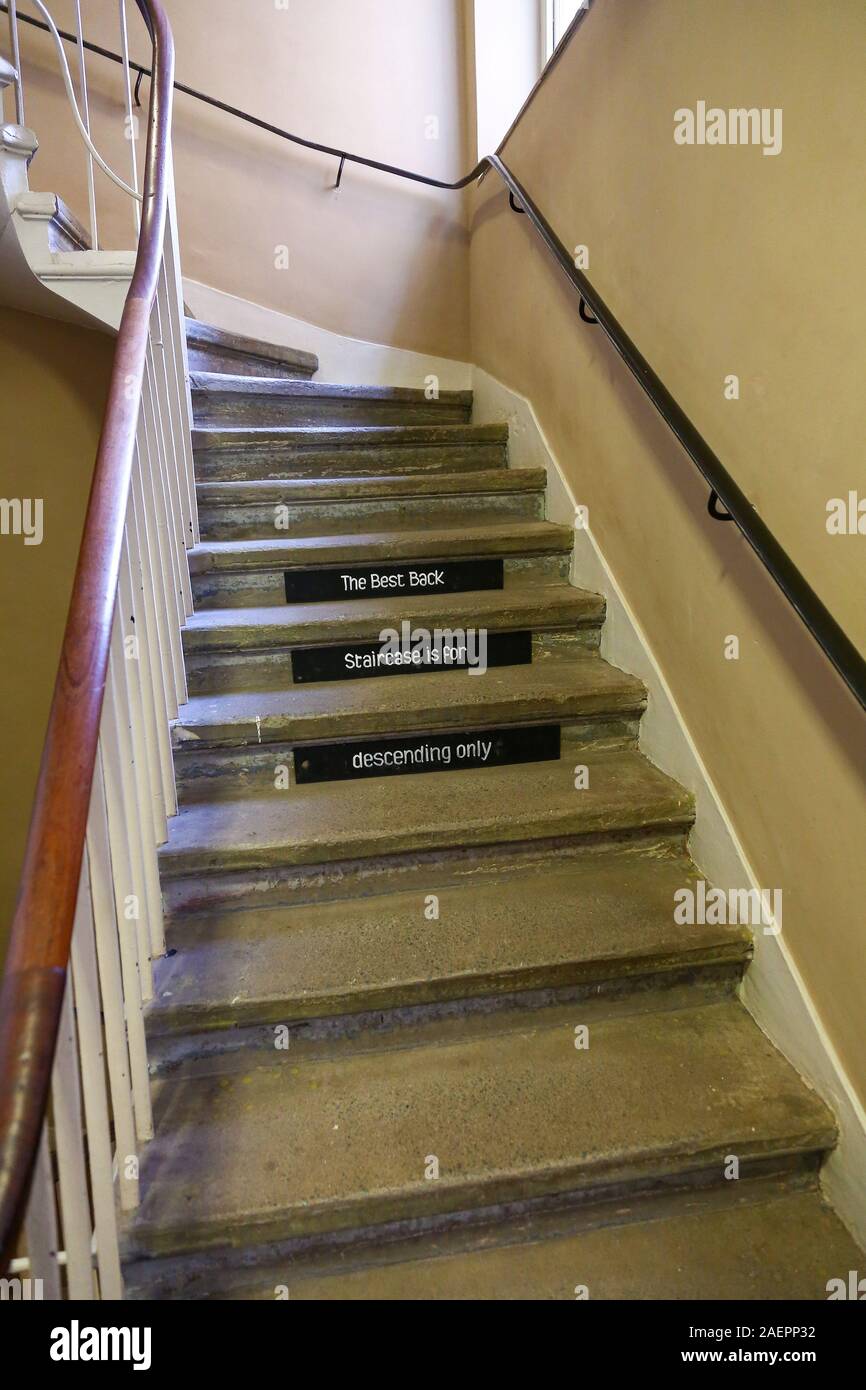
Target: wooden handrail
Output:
{"points": [[35, 974]]}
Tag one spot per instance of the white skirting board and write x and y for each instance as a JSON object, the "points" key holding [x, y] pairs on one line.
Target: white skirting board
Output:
{"points": [[342, 361], [773, 991]]}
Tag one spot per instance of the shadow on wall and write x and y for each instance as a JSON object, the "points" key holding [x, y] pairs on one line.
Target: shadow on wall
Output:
{"points": [[379, 258]]}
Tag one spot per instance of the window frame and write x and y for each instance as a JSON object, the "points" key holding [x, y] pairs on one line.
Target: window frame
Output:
{"points": [[549, 17]]}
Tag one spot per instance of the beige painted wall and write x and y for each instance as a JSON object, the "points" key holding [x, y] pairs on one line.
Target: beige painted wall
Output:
{"points": [[382, 259], [55, 378], [717, 261]]}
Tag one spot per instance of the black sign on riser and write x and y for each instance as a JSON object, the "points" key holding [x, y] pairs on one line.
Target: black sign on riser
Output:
{"points": [[326, 585], [418, 753], [362, 660]]}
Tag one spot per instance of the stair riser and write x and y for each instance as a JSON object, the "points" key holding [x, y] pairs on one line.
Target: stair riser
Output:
{"points": [[234, 409], [221, 359], [270, 668], [252, 462], [249, 521], [436, 1209], [190, 1035], [266, 588], [225, 774]]}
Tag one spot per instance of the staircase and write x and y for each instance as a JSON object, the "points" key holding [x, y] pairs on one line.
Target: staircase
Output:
{"points": [[436, 1034]]}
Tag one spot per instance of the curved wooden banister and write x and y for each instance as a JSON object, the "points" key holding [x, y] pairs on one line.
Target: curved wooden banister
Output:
{"points": [[38, 957]]}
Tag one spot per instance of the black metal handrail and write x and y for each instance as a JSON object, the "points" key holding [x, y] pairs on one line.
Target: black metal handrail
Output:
{"points": [[830, 636]]}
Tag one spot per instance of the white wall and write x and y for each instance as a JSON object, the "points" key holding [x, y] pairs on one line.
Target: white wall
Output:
{"points": [[508, 62]]}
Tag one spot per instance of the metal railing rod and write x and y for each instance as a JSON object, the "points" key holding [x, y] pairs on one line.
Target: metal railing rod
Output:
{"points": [[831, 638], [131, 118], [85, 116], [15, 50]]}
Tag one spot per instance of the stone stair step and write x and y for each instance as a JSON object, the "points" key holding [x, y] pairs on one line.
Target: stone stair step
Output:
{"points": [[228, 745], [602, 922], [244, 454], [65, 232], [309, 1148], [330, 822], [546, 690], [687, 1253], [252, 510], [550, 606], [250, 648], [214, 349], [683, 1248], [252, 573], [219, 399]]}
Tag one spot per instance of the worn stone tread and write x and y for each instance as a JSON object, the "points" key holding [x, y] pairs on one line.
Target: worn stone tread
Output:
{"points": [[530, 607], [65, 232], [350, 437], [785, 1249], [314, 451], [605, 918], [270, 492], [418, 538], [549, 690], [268, 358], [224, 384], [342, 1141], [221, 398], [330, 821]]}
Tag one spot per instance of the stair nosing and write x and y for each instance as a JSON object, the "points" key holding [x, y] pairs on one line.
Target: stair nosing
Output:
{"points": [[616, 693], [512, 538], [220, 383], [660, 806], [205, 335], [359, 487]]}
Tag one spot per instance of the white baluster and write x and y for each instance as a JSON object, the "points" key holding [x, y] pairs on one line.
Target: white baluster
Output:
{"points": [[173, 281], [71, 1163], [107, 809], [158, 740], [139, 690], [131, 118], [137, 813], [85, 116], [170, 411], [156, 391], [88, 1012], [16, 62], [40, 1227], [111, 985], [157, 508], [165, 692]]}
